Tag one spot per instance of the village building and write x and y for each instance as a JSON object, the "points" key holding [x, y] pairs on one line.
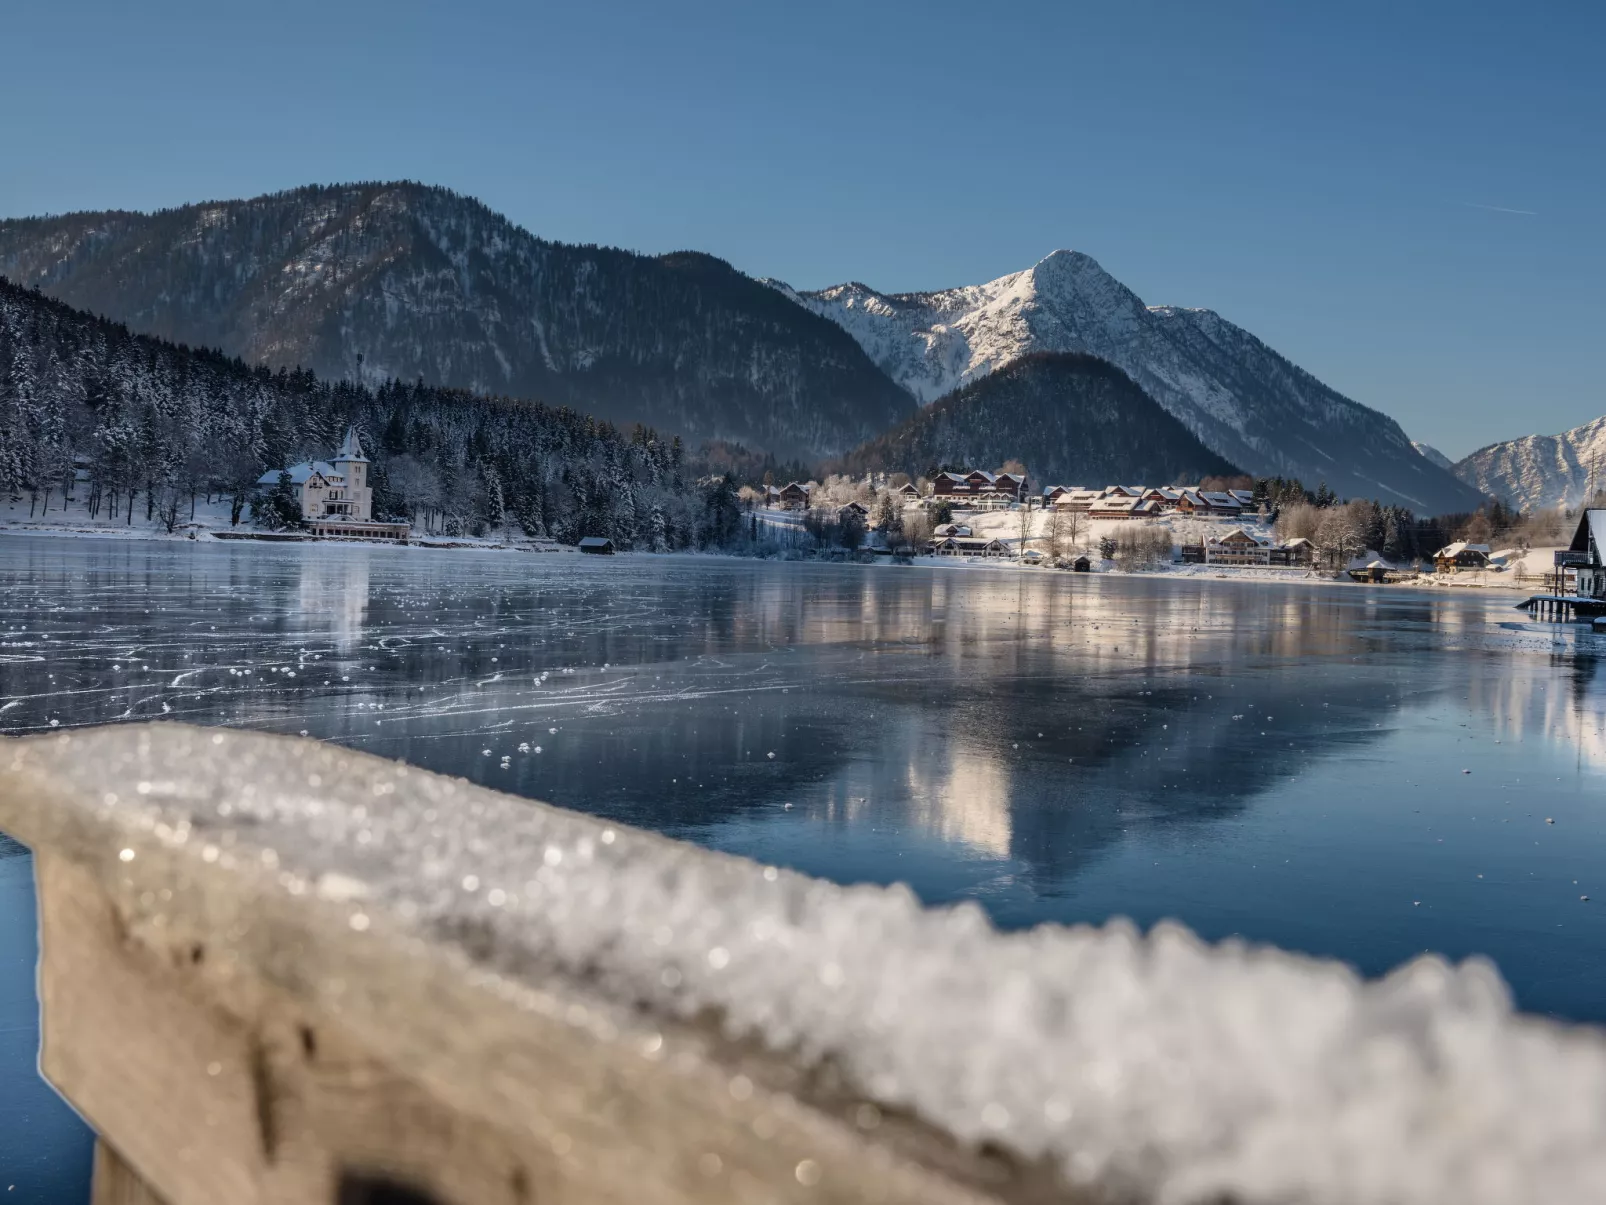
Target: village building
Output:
{"points": [[792, 496], [1296, 553], [943, 530], [335, 498], [853, 512], [968, 546], [1220, 502], [1237, 547], [1123, 506], [1453, 558], [1071, 498], [980, 485], [908, 491], [1586, 555]]}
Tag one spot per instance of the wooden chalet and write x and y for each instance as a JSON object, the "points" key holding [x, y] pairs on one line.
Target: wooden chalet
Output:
{"points": [[979, 484], [1453, 558], [853, 512], [908, 491], [943, 530], [1237, 547], [597, 546], [793, 496], [1220, 502]]}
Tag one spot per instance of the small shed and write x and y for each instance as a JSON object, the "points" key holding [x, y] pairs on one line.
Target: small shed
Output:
{"points": [[1082, 565], [597, 545]]}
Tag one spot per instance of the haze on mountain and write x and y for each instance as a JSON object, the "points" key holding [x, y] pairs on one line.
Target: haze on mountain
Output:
{"points": [[1241, 398], [1541, 472], [1073, 418], [381, 281]]}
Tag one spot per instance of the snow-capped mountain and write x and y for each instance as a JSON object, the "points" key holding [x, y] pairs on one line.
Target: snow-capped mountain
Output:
{"points": [[402, 281], [1541, 471], [1433, 455], [1240, 397]]}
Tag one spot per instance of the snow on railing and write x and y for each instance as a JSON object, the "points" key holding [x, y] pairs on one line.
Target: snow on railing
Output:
{"points": [[274, 970]]}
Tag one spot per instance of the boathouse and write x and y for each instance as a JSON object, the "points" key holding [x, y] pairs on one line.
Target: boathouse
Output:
{"points": [[1586, 552], [597, 545]]}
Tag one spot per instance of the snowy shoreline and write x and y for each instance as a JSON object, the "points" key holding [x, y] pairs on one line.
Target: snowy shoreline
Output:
{"points": [[1176, 571]]}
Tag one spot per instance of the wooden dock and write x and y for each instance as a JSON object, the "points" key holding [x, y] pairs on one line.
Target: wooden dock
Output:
{"points": [[1564, 608]]}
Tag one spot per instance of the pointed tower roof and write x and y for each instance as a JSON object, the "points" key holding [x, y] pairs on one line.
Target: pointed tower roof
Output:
{"points": [[350, 449]]}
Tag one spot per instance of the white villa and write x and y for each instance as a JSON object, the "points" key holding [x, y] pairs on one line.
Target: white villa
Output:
{"points": [[336, 500]]}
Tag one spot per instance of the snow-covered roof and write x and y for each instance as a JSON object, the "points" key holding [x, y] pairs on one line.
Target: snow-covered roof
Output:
{"points": [[595, 542], [1460, 546], [350, 449], [1239, 531], [301, 473], [1296, 542]]}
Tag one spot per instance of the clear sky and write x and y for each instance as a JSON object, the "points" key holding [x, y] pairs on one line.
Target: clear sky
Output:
{"points": [[1404, 198]]}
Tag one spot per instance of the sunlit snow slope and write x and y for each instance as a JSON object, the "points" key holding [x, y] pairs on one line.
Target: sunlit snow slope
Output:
{"points": [[1539, 471], [1240, 397]]}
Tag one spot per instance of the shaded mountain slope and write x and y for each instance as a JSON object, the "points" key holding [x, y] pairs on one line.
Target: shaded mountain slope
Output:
{"points": [[1071, 418]]}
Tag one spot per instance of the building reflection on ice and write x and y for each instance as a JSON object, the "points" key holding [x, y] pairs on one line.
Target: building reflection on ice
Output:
{"points": [[962, 796], [332, 594]]}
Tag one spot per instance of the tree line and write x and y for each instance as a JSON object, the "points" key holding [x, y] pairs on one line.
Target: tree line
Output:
{"points": [[137, 422]]}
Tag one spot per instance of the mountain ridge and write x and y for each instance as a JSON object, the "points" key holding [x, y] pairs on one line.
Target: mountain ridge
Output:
{"points": [[1541, 472], [377, 280], [1239, 396]]}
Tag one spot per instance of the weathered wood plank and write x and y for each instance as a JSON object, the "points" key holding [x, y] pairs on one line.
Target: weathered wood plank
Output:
{"points": [[118, 1184], [276, 971]]}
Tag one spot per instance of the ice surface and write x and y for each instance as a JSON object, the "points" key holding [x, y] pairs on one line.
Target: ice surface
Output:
{"points": [[1155, 1066]]}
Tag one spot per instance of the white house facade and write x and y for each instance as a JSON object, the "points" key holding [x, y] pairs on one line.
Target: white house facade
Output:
{"points": [[336, 498]]}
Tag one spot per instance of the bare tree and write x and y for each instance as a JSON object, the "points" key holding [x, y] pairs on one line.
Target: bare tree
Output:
{"points": [[1056, 531]]}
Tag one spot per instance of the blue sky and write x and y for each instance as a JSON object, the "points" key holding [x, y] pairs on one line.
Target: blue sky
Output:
{"points": [[1405, 199]]}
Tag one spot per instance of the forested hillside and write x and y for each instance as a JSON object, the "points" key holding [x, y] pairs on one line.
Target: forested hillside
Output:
{"points": [[160, 422], [1072, 419], [372, 282]]}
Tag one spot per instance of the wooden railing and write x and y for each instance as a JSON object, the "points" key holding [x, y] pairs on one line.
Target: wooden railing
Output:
{"points": [[276, 971]]}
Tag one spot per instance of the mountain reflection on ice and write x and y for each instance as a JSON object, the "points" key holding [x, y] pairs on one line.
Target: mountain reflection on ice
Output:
{"points": [[1283, 762]]}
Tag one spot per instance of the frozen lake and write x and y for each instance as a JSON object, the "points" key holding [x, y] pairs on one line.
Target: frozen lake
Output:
{"points": [[1356, 772]]}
